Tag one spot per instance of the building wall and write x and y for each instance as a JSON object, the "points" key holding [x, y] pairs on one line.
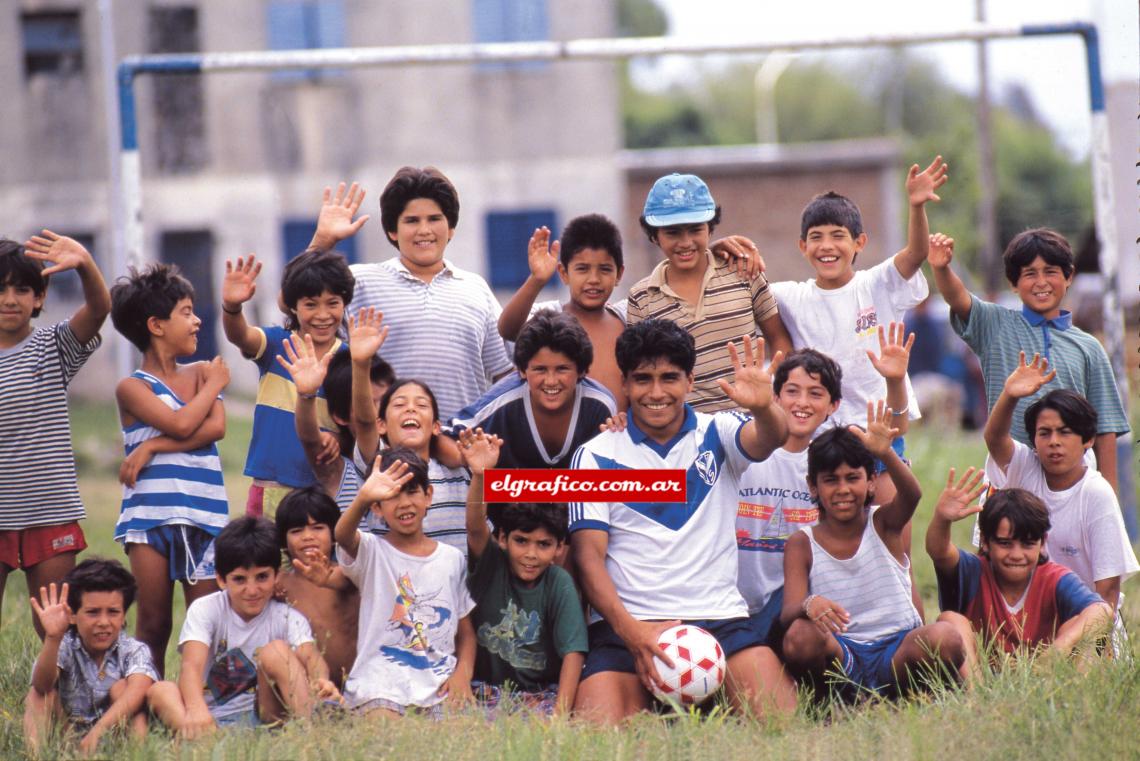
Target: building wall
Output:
{"points": [[518, 137]]}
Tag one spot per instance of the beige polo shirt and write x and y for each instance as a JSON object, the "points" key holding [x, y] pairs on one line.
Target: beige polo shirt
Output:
{"points": [[728, 309]]}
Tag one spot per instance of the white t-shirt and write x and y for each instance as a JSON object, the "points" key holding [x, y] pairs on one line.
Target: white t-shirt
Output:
{"points": [[844, 324], [672, 560], [1087, 534], [409, 613], [774, 504], [231, 669]]}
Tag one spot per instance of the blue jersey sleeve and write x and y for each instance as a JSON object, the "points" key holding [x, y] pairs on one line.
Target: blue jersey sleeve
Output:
{"points": [[958, 589], [1073, 597]]}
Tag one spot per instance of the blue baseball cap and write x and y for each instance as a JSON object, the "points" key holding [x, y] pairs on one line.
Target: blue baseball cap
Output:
{"points": [[679, 199]]}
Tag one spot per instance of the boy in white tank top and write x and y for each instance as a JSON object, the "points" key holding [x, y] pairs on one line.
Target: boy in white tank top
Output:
{"points": [[847, 591]]}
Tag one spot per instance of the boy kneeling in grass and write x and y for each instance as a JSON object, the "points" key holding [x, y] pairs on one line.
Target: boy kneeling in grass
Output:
{"points": [[1010, 592], [88, 673], [528, 617], [415, 642], [847, 591], [247, 659]]}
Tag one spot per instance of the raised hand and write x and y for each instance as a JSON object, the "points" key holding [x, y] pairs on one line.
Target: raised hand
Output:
{"points": [[749, 263], [1028, 377], [385, 484], [827, 615], [542, 256], [879, 434], [314, 566], [366, 334], [301, 362], [66, 253], [335, 222], [920, 186], [479, 450], [751, 387], [894, 355], [941, 250], [240, 282], [53, 611], [960, 500]]}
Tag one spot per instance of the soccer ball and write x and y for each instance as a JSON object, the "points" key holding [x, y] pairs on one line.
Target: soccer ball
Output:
{"points": [[698, 662]]}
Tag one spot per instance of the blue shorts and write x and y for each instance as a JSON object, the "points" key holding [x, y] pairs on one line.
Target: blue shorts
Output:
{"points": [[899, 445], [189, 550], [609, 653], [868, 664], [766, 621], [240, 720]]}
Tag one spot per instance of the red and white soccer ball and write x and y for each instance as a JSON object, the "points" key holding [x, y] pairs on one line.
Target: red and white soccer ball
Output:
{"points": [[698, 662]]}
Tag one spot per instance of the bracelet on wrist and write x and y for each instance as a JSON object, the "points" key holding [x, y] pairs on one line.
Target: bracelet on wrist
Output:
{"points": [[807, 604], [231, 311], [307, 396], [901, 412]]}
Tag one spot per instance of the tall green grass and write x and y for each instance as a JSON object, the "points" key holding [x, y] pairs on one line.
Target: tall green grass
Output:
{"points": [[1029, 711]]}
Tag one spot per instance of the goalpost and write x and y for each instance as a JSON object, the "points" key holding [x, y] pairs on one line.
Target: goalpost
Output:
{"points": [[127, 223]]}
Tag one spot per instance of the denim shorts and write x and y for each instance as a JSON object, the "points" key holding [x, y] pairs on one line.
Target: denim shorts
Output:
{"points": [[868, 664]]}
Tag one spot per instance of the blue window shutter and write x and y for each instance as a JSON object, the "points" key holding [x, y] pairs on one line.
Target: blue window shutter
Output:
{"points": [[527, 20], [328, 24], [286, 22], [508, 233], [296, 234], [488, 19]]}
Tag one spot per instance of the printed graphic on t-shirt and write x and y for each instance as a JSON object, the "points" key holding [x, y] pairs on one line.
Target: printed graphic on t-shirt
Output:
{"points": [[509, 638], [764, 528], [866, 321], [415, 618], [231, 674]]}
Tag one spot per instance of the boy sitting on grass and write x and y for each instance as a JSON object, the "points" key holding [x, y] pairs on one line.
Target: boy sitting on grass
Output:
{"points": [[1088, 534], [247, 659], [415, 642], [89, 673], [1010, 592], [306, 520], [847, 588], [528, 617]]}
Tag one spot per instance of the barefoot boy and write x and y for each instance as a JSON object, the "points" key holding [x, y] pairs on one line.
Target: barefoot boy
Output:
{"points": [[1010, 592], [306, 519], [247, 659], [89, 673], [847, 588], [39, 516]]}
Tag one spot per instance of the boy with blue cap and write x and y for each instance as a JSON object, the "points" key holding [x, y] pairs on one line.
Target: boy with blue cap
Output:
{"points": [[699, 292]]}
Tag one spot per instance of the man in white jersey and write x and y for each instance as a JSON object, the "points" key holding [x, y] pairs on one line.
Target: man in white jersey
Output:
{"points": [[847, 588], [645, 567]]}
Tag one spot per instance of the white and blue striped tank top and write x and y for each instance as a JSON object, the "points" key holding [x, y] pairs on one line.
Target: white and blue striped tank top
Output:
{"points": [[871, 585], [174, 488]]}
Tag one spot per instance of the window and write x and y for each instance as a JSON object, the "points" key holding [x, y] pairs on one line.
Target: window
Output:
{"points": [[510, 21], [305, 25], [296, 234], [508, 233], [66, 286], [193, 252], [179, 101], [53, 43]]}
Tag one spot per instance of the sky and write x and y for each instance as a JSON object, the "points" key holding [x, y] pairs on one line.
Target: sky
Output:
{"points": [[1052, 69]]}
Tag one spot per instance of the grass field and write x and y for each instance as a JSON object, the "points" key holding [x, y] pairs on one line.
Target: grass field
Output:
{"points": [[1030, 710]]}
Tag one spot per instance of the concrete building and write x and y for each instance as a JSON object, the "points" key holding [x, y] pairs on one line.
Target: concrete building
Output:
{"points": [[235, 163]]}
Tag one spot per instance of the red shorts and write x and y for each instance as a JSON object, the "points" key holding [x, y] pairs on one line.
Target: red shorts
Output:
{"points": [[26, 547]]}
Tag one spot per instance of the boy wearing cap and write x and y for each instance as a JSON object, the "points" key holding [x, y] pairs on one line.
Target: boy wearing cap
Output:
{"points": [[701, 293]]}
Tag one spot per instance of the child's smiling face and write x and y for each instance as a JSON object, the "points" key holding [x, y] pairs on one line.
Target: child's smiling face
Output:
{"points": [[99, 620], [308, 541], [1042, 287], [843, 492], [591, 277], [320, 316], [831, 252]]}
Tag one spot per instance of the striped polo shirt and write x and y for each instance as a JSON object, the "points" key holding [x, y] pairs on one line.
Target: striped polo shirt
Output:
{"points": [[728, 309], [174, 487], [997, 335], [38, 486], [444, 333]]}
